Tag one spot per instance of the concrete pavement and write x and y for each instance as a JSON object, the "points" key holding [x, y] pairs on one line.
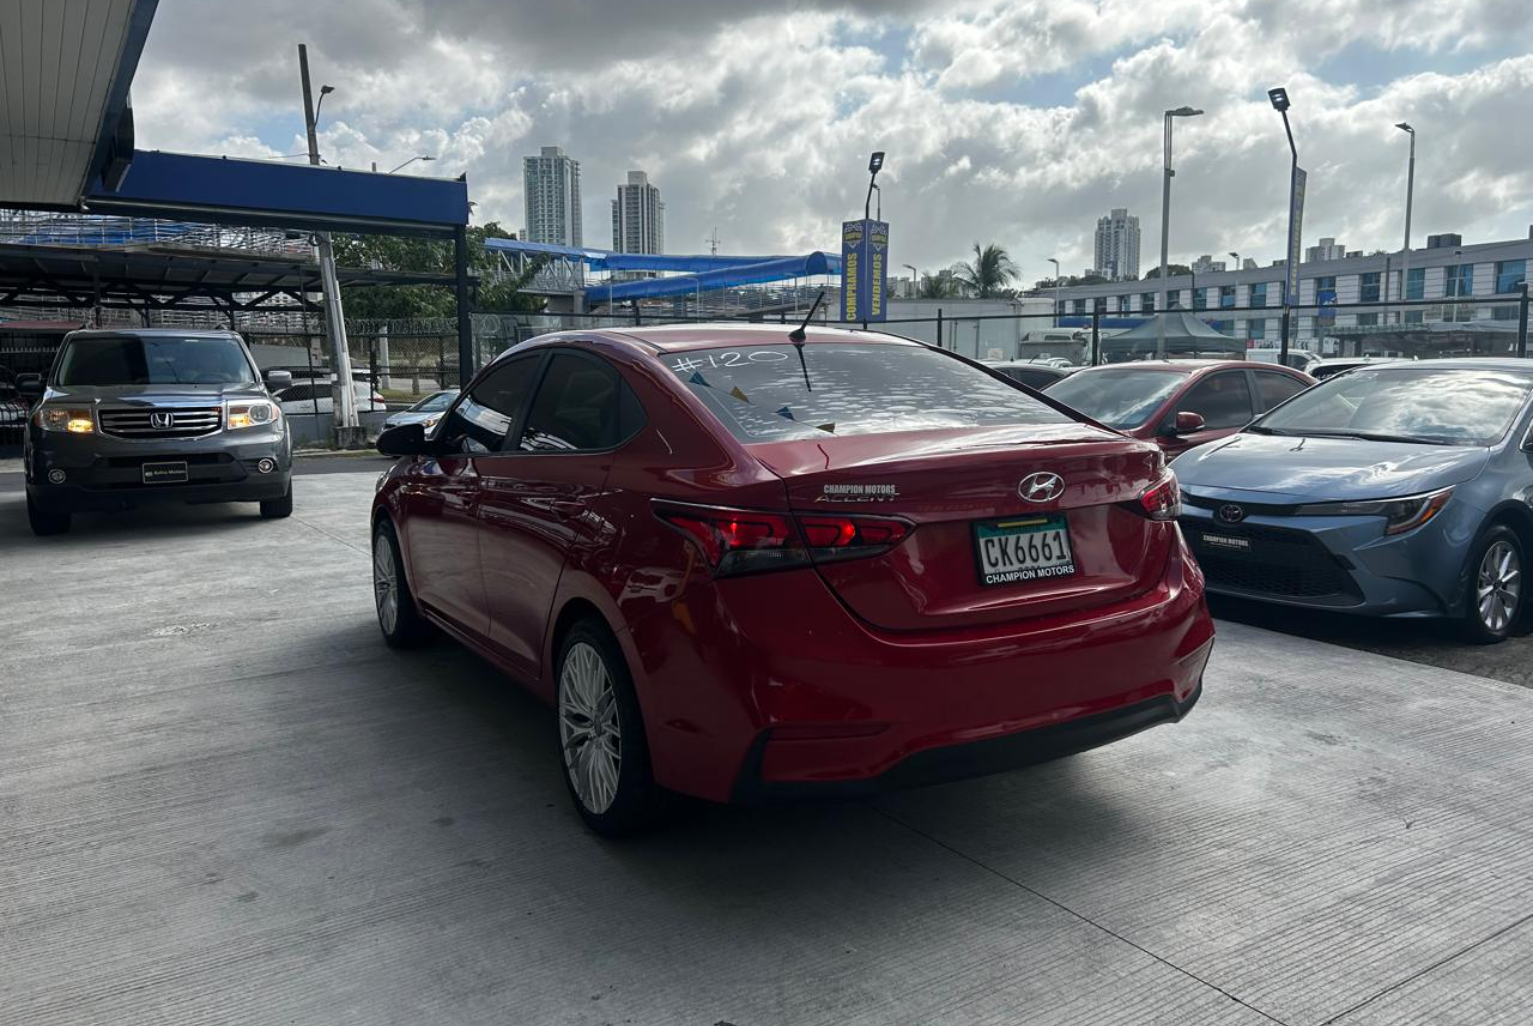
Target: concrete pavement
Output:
{"points": [[222, 799]]}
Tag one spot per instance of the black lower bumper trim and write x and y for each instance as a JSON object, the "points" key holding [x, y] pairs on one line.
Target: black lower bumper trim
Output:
{"points": [[66, 499], [975, 759]]}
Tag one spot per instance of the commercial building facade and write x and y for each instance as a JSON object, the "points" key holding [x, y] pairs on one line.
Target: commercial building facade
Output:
{"points": [[551, 196], [1117, 245], [1479, 284], [638, 217]]}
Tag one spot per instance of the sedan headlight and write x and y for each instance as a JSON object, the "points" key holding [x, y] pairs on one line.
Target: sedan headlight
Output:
{"points": [[74, 419], [1400, 515], [256, 413]]}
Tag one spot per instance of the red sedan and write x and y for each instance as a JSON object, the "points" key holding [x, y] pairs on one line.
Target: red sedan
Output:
{"points": [[1178, 404], [744, 563]]}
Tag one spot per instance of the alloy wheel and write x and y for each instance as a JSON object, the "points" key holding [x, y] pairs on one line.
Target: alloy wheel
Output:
{"points": [[590, 733], [385, 583], [1498, 587]]}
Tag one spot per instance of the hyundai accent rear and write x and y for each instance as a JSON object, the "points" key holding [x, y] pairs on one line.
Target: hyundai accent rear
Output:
{"points": [[836, 566]]}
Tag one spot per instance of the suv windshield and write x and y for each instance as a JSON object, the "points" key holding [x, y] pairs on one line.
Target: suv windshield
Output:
{"points": [[1123, 399], [1451, 406], [764, 393], [154, 360]]}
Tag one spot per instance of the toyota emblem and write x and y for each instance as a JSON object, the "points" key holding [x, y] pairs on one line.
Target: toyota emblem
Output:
{"points": [[1230, 513], [1041, 487]]}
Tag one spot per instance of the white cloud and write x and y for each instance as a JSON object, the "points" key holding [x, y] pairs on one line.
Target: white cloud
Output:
{"points": [[758, 119]]}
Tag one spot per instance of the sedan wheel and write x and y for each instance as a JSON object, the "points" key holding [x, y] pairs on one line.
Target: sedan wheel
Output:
{"points": [[589, 729], [401, 623], [385, 583], [1498, 587]]}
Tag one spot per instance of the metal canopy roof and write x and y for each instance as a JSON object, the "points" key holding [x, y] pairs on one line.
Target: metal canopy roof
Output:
{"points": [[55, 276], [65, 68]]}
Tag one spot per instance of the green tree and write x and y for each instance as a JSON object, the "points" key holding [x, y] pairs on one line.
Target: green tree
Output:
{"points": [[1172, 270], [937, 286], [498, 292], [989, 273]]}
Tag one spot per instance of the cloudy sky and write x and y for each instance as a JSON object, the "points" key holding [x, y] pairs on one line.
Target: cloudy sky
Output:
{"points": [[1017, 123]]}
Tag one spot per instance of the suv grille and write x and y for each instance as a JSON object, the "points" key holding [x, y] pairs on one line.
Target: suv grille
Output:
{"points": [[140, 421], [1264, 560]]}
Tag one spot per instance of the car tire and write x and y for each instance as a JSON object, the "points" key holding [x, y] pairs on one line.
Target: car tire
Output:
{"points": [[398, 617], [46, 522], [1493, 587], [276, 509], [600, 737]]}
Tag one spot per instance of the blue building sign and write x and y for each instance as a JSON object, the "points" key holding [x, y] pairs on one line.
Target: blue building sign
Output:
{"points": [[864, 270], [1325, 299]]}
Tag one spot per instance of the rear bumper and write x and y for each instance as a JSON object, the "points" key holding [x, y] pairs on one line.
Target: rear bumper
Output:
{"points": [[769, 688], [972, 759]]}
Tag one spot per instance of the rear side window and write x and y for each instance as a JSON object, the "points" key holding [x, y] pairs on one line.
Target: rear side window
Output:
{"points": [[1277, 388], [582, 405], [1223, 400], [780, 392]]}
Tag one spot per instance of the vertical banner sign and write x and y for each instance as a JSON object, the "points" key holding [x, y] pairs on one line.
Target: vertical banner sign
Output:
{"points": [[1325, 299], [1295, 233], [864, 270]]}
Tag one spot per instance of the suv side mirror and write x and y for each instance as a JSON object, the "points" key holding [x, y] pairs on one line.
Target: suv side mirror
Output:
{"points": [[406, 440], [277, 380], [29, 385], [1185, 423]]}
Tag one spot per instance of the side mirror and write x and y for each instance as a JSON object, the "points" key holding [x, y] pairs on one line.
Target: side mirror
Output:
{"points": [[29, 385], [406, 440], [277, 380], [1186, 423]]}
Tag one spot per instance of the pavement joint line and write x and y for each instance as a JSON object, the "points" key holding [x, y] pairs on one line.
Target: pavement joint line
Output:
{"points": [[1466, 949], [335, 538], [1084, 918]]}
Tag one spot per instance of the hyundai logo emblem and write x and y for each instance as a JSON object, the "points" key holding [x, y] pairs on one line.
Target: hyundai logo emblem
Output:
{"points": [[1041, 487], [1230, 513], [162, 420]]}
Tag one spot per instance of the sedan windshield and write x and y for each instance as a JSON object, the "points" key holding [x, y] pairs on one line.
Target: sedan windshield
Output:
{"points": [[435, 403], [154, 360], [1123, 399], [1447, 406]]}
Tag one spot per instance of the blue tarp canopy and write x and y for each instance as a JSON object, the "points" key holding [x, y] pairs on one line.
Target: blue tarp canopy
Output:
{"points": [[704, 270]]}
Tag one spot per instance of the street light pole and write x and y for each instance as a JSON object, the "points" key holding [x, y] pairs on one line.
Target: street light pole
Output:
{"points": [[343, 399], [1280, 103], [1056, 290], [1165, 225], [1410, 190], [915, 279], [423, 156]]}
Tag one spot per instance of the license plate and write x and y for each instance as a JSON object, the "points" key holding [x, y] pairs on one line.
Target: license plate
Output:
{"points": [[165, 473], [1023, 549]]}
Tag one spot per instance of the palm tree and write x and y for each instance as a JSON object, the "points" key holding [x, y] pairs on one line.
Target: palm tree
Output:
{"points": [[988, 274]]}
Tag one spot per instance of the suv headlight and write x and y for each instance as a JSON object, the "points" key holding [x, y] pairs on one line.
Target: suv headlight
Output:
{"points": [[77, 420], [1400, 515], [256, 413]]}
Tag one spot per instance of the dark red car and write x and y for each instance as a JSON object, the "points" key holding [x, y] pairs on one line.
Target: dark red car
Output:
{"points": [[745, 567], [1178, 404]]}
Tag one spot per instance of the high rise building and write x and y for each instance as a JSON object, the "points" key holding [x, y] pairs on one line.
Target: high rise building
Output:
{"points": [[1206, 264], [551, 188], [638, 217], [1117, 245], [1327, 249]]}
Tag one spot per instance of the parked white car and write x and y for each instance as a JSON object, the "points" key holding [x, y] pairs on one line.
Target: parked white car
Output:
{"points": [[314, 397]]}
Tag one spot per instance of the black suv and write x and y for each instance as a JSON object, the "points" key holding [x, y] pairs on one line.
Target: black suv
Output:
{"points": [[133, 416]]}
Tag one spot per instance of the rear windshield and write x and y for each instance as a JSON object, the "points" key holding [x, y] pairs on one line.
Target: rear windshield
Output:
{"points": [[775, 393], [1123, 399], [156, 360]]}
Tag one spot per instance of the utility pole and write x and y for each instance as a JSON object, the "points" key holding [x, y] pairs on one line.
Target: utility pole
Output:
{"points": [[348, 434], [1410, 192], [1166, 174]]}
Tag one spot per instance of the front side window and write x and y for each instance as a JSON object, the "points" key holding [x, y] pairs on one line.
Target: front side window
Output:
{"points": [[105, 360], [1412, 404], [1123, 399], [1223, 400], [480, 421], [582, 405], [775, 393]]}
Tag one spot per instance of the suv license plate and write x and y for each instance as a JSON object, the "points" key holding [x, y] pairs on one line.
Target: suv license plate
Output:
{"points": [[1022, 549], [165, 473]]}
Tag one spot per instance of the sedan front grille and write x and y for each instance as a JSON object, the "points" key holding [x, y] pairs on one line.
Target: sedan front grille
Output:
{"points": [[1262, 560], [162, 421]]}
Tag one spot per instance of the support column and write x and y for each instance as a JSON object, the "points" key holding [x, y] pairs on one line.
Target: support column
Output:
{"points": [[465, 323]]}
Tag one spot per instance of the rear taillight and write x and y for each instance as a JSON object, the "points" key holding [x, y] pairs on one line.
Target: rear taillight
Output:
{"points": [[1161, 501], [739, 541]]}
